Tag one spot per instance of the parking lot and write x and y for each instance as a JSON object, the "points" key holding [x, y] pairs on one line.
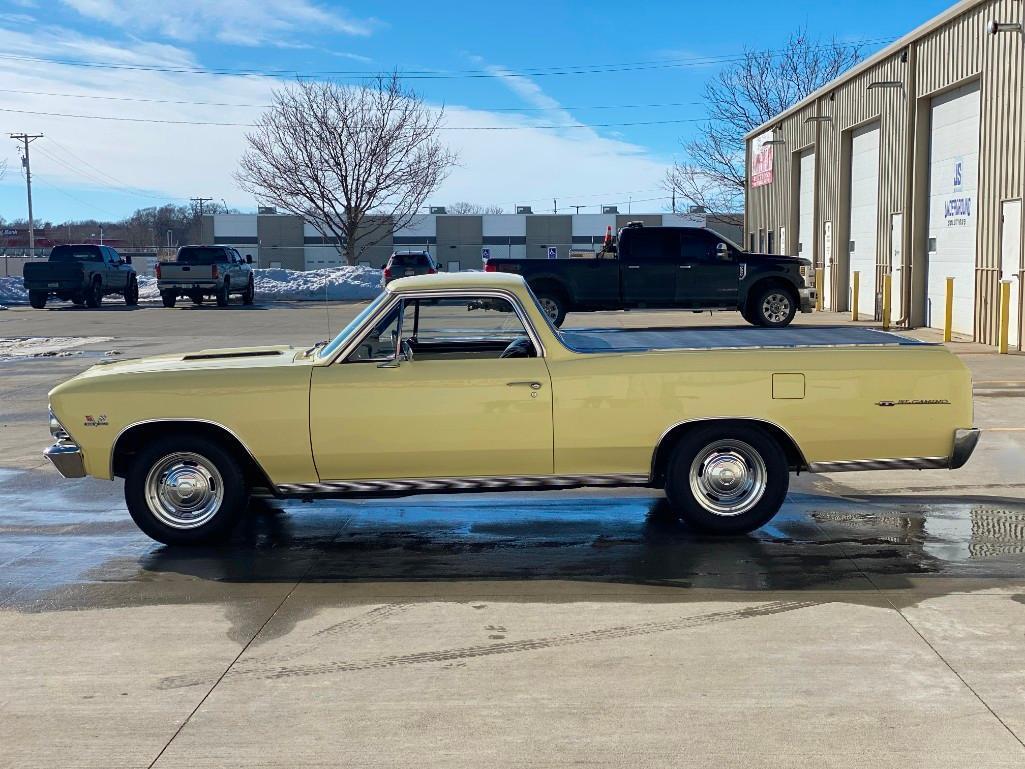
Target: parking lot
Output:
{"points": [[878, 621]]}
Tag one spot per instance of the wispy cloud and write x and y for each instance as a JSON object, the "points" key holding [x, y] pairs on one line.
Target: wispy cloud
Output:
{"points": [[237, 22]]}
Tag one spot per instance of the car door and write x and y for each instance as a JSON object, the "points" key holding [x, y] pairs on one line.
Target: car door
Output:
{"points": [[114, 277], [708, 276], [456, 410], [648, 266]]}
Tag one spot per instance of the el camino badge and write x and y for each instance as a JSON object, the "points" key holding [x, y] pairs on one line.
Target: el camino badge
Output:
{"points": [[98, 421], [914, 403]]}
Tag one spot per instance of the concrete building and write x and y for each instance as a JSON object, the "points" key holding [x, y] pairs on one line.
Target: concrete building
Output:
{"points": [[911, 164], [457, 241]]}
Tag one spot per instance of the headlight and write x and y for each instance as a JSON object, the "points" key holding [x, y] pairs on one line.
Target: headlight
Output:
{"points": [[56, 428]]}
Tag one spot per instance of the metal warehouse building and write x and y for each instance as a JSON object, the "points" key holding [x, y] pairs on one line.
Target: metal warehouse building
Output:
{"points": [[911, 164], [457, 241]]}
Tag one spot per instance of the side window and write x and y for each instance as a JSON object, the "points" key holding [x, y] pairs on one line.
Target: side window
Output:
{"points": [[453, 321], [653, 245], [698, 246], [380, 342]]}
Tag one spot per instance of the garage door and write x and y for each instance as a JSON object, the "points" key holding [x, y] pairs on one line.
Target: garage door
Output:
{"points": [[864, 223], [806, 205], [953, 203], [1011, 265]]}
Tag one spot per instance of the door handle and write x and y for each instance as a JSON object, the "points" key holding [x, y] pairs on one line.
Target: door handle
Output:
{"points": [[531, 385], [633, 267]]}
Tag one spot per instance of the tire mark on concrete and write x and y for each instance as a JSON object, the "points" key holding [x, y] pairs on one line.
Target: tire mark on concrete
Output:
{"points": [[509, 647]]}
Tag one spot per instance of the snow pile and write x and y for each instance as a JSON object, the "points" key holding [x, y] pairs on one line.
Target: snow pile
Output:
{"points": [[339, 284], [44, 346], [12, 290]]}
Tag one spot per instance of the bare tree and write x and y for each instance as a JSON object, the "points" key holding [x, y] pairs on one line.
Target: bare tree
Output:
{"points": [[742, 97], [462, 207], [356, 162]]}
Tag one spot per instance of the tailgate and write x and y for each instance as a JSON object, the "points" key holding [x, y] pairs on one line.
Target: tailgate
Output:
{"points": [[186, 273], [52, 274]]}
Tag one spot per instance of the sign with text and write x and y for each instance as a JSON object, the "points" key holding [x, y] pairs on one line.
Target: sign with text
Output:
{"points": [[761, 160], [957, 209]]}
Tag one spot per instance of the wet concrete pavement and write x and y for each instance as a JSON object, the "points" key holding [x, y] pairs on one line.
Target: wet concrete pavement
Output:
{"points": [[512, 630], [878, 621]]}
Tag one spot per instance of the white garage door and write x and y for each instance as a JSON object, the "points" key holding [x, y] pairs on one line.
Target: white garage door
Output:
{"points": [[1010, 264], [953, 203], [806, 206], [864, 224]]}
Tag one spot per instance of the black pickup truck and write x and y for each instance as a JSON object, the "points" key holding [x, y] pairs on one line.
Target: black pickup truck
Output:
{"points": [[82, 274], [690, 268]]}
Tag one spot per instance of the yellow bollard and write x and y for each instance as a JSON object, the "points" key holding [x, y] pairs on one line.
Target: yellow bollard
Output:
{"points": [[855, 280], [887, 281], [948, 318], [820, 275], [1005, 315]]}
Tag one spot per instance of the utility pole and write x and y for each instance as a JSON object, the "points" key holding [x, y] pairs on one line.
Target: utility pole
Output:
{"points": [[27, 139], [197, 204], [577, 208]]}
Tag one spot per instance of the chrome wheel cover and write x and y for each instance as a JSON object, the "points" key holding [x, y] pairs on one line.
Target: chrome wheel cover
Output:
{"points": [[776, 307], [550, 307], [184, 490], [728, 477]]}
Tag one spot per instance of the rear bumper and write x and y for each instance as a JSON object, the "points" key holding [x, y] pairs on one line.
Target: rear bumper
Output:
{"points": [[67, 458], [964, 444], [808, 297], [53, 285], [188, 285]]}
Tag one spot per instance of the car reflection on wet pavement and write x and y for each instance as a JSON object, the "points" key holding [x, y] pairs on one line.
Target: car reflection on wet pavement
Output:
{"points": [[67, 546]]}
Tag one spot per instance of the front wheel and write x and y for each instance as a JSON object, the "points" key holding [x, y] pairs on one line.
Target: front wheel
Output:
{"points": [[185, 490], [727, 479], [132, 293], [222, 294], [553, 306], [773, 307], [250, 293], [37, 299]]}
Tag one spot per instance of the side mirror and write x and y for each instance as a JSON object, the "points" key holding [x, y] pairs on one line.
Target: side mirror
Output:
{"points": [[249, 258], [722, 251], [126, 259]]}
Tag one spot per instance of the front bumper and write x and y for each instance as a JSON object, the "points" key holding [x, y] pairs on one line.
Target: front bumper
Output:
{"points": [[808, 297], [67, 458], [964, 444]]}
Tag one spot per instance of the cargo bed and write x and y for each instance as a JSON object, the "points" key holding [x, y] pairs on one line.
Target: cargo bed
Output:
{"points": [[740, 338]]}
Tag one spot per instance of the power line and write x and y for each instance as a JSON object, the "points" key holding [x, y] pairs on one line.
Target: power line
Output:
{"points": [[112, 178], [579, 69]]}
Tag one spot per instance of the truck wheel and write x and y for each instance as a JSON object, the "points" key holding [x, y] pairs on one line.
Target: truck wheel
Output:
{"points": [[553, 305], [774, 307], [727, 480], [185, 490], [222, 294], [94, 294], [37, 299], [168, 298], [250, 293], [132, 292]]}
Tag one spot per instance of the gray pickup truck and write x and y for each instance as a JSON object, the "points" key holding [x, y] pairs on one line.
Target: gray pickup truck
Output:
{"points": [[201, 271], [83, 274]]}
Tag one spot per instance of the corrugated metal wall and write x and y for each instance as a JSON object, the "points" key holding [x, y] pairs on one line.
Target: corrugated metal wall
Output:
{"points": [[959, 50]]}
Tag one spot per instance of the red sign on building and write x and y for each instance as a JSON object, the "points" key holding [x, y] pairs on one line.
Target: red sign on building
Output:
{"points": [[761, 160]]}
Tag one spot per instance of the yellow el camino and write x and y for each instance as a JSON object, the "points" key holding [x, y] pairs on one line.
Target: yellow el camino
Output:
{"points": [[459, 383]]}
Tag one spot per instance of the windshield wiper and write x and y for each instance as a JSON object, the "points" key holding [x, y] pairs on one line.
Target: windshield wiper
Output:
{"points": [[315, 347]]}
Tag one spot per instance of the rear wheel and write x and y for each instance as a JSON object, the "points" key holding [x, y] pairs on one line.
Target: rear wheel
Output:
{"points": [[727, 479], [773, 307], [94, 294], [222, 294], [168, 298], [37, 299], [132, 293], [185, 490], [553, 305]]}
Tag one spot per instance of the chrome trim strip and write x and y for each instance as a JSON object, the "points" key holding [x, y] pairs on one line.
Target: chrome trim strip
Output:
{"points": [[360, 333], [903, 463], [757, 420], [67, 458], [472, 483], [232, 433]]}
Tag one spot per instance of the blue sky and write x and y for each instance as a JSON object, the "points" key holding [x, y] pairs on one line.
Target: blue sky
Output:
{"points": [[87, 167]]}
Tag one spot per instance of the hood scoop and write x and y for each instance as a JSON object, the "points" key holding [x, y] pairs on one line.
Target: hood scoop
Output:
{"points": [[227, 354]]}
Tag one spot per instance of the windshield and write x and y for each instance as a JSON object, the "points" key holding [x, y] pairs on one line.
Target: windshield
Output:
{"points": [[76, 254], [191, 255], [354, 324]]}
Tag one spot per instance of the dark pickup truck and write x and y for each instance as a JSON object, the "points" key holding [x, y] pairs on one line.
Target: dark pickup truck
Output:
{"points": [[665, 267], [82, 274]]}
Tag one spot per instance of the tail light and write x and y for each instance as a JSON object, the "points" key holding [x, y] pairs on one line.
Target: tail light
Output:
{"points": [[431, 271], [489, 267], [215, 272], [387, 273], [156, 269]]}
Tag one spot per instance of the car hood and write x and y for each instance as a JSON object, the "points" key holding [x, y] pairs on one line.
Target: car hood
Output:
{"points": [[778, 259], [227, 358]]}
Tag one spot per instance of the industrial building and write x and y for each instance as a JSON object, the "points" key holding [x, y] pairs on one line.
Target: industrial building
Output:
{"points": [[911, 165], [458, 242]]}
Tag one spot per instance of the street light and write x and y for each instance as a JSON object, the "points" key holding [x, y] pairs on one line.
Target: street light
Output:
{"points": [[885, 84], [996, 27]]}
